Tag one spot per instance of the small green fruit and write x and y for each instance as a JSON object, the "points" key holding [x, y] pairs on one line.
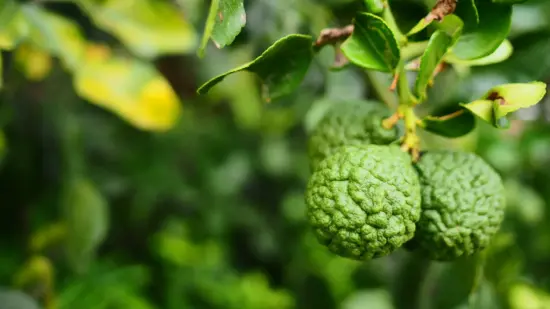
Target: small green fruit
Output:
{"points": [[363, 202], [353, 123], [463, 204]]}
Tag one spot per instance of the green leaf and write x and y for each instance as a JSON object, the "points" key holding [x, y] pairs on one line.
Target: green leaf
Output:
{"points": [[516, 96], [438, 46], [421, 25], [55, 34], [445, 123], [452, 25], [230, 19], [13, 299], [281, 67], [8, 11], [225, 21], [372, 45], [147, 27], [481, 40], [86, 216], [502, 53], [209, 26], [467, 10]]}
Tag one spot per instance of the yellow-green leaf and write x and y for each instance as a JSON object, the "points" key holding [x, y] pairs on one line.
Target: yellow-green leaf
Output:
{"points": [[130, 88], [147, 27], [516, 96], [8, 11], [14, 31], [55, 34], [35, 63]]}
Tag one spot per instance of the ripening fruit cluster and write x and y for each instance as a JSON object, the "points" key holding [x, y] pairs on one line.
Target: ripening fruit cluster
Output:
{"points": [[366, 198]]}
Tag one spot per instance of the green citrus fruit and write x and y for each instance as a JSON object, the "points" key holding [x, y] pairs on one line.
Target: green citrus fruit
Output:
{"points": [[352, 123], [363, 201], [463, 204]]}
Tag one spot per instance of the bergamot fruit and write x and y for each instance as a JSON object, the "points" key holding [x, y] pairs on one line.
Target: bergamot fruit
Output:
{"points": [[352, 123], [463, 205], [363, 201]]}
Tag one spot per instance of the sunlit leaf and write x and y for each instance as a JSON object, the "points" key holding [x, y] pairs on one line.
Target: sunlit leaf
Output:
{"points": [[8, 11], [130, 88], [13, 299], [55, 34], [372, 44], [504, 99], [47, 236], [85, 212], [482, 109], [281, 67], [148, 27], [516, 96], [38, 271], [33, 62], [14, 31], [501, 100]]}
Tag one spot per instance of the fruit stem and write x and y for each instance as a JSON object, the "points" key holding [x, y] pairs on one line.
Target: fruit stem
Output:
{"points": [[407, 102], [392, 120]]}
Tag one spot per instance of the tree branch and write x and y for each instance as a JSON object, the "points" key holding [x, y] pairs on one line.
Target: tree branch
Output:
{"points": [[333, 35], [441, 9]]}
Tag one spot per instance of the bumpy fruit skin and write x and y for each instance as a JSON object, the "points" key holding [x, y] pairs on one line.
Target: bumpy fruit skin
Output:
{"points": [[349, 124], [363, 202], [463, 204]]}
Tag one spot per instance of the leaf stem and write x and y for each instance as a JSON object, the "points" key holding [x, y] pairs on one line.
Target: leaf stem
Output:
{"points": [[451, 115], [378, 82]]}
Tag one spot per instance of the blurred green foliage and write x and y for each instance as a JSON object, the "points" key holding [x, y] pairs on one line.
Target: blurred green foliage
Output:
{"points": [[155, 197]]}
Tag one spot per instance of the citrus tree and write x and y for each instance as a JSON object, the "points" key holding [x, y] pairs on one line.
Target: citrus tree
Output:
{"points": [[280, 154]]}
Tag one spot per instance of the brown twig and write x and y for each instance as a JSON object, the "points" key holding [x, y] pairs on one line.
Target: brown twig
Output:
{"points": [[340, 59], [391, 121], [333, 35], [441, 9], [393, 84]]}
